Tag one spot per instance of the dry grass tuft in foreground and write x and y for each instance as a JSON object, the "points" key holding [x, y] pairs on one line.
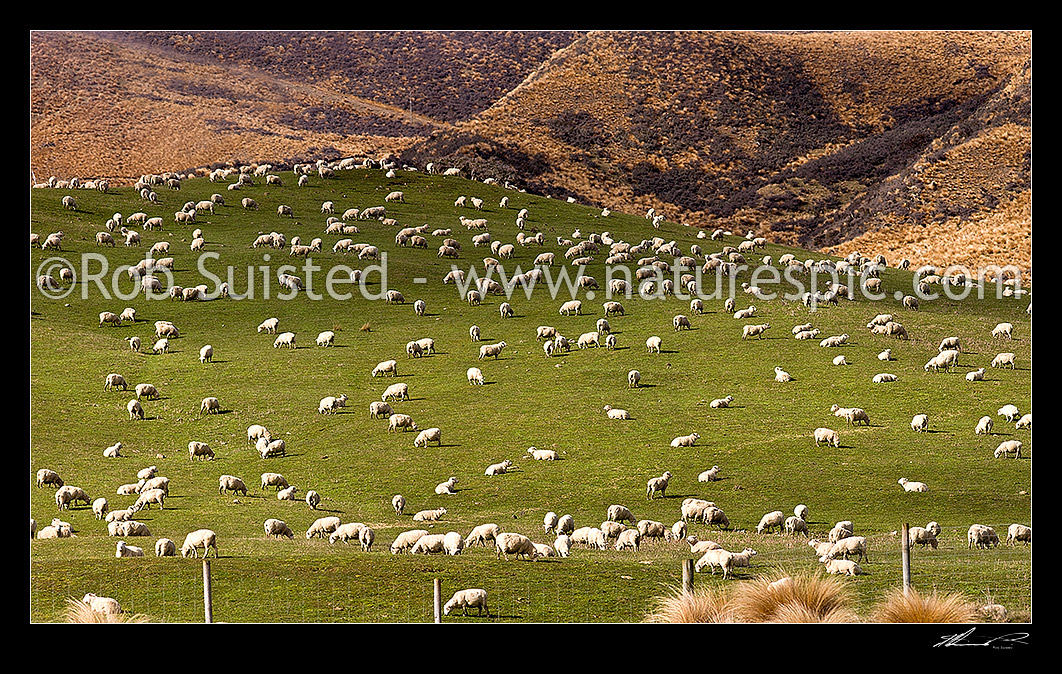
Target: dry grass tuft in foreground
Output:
{"points": [[79, 612]]}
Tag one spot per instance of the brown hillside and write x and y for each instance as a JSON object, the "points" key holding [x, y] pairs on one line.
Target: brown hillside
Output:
{"points": [[914, 144]]}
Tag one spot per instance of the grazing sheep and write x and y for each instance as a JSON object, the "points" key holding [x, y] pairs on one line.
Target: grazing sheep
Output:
{"points": [[398, 422], [920, 423], [628, 539], [210, 405], [984, 426], [453, 543], [351, 531], [1008, 412], [326, 525], [198, 449], [387, 366], [618, 513], [849, 545], [406, 540], [46, 476], [274, 480], [466, 599], [313, 499], [796, 525], [67, 495], [853, 415], [429, 544], [981, 536], [1007, 448], [827, 435], [1019, 533], [201, 538], [657, 484], [428, 435], [912, 486], [147, 497], [1003, 330], [1003, 360], [923, 536], [565, 525], [884, 377], [331, 404], [277, 528], [1024, 422], [716, 557], [482, 534], [269, 325], [772, 520], [507, 543]]}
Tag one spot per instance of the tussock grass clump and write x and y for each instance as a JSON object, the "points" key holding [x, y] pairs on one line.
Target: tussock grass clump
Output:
{"points": [[78, 612], [798, 598], [702, 605], [914, 607]]}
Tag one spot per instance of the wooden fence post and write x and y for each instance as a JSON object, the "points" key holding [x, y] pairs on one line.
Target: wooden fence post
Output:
{"points": [[687, 575], [437, 600], [207, 598], [905, 556]]}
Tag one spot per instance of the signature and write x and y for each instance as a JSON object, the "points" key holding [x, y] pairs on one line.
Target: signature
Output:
{"points": [[1000, 641]]}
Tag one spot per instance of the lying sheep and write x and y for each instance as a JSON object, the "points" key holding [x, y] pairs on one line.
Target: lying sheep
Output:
{"points": [[912, 486], [446, 488], [542, 454], [685, 440], [123, 550], [498, 468], [843, 567], [720, 403], [433, 515], [710, 475]]}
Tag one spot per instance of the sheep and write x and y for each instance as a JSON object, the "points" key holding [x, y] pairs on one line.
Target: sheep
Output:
{"points": [[287, 494], [720, 403], [651, 529], [270, 448], [46, 476], [433, 515], [488, 350], [685, 440], [694, 508], [922, 536], [274, 480], [571, 307], [123, 550], [657, 484], [754, 331], [384, 367], [466, 599], [1024, 422], [269, 325], [1019, 533], [710, 475], [920, 423], [1008, 447], [161, 346], [428, 435], [542, 454], [100, 507], [313, 499], [910, 486], [628, 539], [565, 525], [699, 547], [325, 525], [331, 404], [834, 341], [843, 567], [945, 359], [715, 515], [134, 343], [326, 338], [481, 535], [782, 376], [406, 540], [618, 513], [231, 483], [842, 529], [981, 536], [127, 528], [510, 543], [199, 449], [146, 391], [1003, 330], [398, 422], [1008, 412], [849, 545], [772, 520], [614, 413], [113, 381], [147, 497], [1003, 360], [277, 528], [716, 557], [853, 415], [984, 426], [200, 538], [379, 409], [884, 378], [795, 524], [498, 468], [339, 532], [285, 339], [680, 321], [67, 495], [976, 375], [827, 435], [613, 308], [446, 488]]}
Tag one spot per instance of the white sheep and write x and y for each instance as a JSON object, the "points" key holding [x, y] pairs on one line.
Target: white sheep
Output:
{"points": [[277, 528], [908, 485], [1003, 330], [385, 367], [46, 476], [331, 404], [710, 475], [400, 422], [432, 515], [1024, 422], [406, 540], [565, 525], [658, 484], [853, 415], [198, 449], [1008, 447], [269, 325], [920, 422], [721, 402], [685, 440], [508, 543], [498, 468], [772, 520], [653, 344], [827, 435], [429, 544], [466, 599], [482, 534], [123, 550], [984, 426], [200, 538], [619, 513], [614, 413], [843, 567], [782, 376], [287, 494], [542, 454], [1008, 412], [428, 435], [849, 545], [1003, 360], [274, 480], [754, 331], [981, 536], [976, 375], [488, 350], [1019, 533], [313, 499]]}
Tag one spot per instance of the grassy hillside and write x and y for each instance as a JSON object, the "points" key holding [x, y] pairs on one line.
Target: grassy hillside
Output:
{"points": [[763, 443]]}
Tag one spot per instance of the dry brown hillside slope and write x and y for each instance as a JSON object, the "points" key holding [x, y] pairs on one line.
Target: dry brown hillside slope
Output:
{"points": [[913, 144]]}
